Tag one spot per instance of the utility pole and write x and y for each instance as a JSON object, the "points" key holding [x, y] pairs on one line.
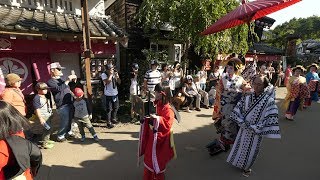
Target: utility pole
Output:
{"points": [[87, 48]]}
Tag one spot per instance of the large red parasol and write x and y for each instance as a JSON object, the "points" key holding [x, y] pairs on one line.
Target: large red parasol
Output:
{"points": [[247, 12]]}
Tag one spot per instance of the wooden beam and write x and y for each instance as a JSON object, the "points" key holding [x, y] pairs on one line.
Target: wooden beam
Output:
{"points": [[87, 48], [21, 33]]}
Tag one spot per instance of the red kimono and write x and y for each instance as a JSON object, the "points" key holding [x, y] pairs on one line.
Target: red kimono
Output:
{"points": [[156, 144]]}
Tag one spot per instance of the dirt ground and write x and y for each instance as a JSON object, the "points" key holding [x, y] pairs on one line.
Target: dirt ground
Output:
{"points": [[114, 157]]}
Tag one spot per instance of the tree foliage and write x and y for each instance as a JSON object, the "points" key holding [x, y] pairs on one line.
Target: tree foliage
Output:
{"points": [[190, 18], [305, 28]]}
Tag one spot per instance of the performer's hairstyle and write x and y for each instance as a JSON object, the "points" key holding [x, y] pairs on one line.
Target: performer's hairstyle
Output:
{"points": [[11, 121], [165, 92], [266, 82], [233, 64]]}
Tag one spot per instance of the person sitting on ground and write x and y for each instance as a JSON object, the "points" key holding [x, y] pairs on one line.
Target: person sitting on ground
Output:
{"points": [[212, 96], [19, 158], [257, 116], [82, 114], [43, 111], [202, 93], [189, 91]]}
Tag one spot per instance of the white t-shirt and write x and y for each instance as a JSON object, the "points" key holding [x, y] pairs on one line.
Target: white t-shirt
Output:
{"points": [[203, 76], [134, 89], [111, 88]]}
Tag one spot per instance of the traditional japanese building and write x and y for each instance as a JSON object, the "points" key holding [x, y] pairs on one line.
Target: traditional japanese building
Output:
{"points": [[34, 33]]}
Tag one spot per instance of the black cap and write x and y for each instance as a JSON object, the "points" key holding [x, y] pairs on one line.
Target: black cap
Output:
{"points": [[135, 66], [109, 66], [154, 62]]}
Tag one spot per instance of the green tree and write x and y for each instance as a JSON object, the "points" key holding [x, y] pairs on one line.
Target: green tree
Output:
{"points": [[305, 28], [190, 18]]}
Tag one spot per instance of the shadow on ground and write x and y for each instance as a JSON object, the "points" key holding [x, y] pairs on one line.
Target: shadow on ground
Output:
{"points": [[294, 157]]}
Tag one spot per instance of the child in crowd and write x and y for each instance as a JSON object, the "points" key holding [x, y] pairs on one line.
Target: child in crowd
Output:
{"points": [[212, 96], [44, 113], [82, 114]]}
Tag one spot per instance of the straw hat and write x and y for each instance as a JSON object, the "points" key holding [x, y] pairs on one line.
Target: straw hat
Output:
{"points": [[314, 65], [12, 78], [299, 67]]}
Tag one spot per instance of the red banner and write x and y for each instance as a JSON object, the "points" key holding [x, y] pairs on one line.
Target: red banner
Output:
{"points": [[48, 46], [263, 57]]}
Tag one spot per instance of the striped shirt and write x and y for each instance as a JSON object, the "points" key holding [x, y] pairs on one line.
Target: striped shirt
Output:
{"points": [[153, 78]]}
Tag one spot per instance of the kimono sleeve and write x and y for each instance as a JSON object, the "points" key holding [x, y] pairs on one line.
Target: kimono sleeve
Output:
{"points": [[237, 115], [268, 126], [165, 121]]}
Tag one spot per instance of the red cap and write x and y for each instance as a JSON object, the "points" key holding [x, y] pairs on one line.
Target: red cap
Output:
{"points": [[78, 92]]}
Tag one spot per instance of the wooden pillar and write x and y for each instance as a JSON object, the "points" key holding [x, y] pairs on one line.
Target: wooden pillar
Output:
{"points": [[87, 48]]}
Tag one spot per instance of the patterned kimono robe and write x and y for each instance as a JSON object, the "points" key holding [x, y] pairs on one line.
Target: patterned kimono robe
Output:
{"points": [[250, 71], [228, 95], [257, 117], [313, 84], [156, 142], [297, 92]]}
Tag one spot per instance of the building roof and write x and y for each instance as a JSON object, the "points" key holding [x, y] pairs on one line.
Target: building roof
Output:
{"points": [[38, 21], [262, 48]]}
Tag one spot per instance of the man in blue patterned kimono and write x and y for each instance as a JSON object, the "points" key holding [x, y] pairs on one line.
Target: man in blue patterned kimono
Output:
{"points": [[257, 116]]}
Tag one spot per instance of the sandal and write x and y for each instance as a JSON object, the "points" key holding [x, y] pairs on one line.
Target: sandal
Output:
{"points": [[246, 173]]}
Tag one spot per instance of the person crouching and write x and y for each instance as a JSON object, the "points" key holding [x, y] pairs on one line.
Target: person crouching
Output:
{"points": [[82, 114]]}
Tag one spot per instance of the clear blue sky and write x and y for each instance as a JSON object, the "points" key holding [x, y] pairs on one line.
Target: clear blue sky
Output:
{"points": [[302, 9]]}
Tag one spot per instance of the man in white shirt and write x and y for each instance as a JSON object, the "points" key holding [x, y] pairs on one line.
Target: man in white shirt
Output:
{"points": [[110, 79]]}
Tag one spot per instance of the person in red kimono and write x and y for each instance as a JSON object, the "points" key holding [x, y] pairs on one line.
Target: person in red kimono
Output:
{"points": [[156, 141]]}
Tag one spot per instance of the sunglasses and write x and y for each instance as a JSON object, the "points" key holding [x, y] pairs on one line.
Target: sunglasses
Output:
{"points": [[59, 69]]}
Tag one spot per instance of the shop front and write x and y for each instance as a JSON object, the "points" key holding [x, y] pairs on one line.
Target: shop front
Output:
{"points": [[30, 59]]}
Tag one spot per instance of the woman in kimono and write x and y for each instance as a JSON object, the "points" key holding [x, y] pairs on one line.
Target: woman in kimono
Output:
{"points": [[257, 116], [297, 93], [312, 78], [229, 92], [156, 136]]}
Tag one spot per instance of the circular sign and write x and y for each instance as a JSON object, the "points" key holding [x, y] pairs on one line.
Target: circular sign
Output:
{"points": [[11, 65]]}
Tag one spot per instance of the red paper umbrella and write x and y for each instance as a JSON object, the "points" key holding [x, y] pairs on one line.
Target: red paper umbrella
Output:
{"points": [[247, 12]]}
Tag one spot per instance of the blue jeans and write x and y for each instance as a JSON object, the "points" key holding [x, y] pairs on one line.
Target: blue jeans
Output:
{"points": [[65, 114]]}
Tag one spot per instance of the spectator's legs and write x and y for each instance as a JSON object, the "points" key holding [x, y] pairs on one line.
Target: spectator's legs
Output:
{"points": [[81, 127], [64, 114], [109, 111], [198, 100], [115, 107]]}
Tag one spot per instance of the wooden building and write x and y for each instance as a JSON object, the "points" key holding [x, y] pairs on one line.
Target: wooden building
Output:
{"points": [[34, 33]]}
